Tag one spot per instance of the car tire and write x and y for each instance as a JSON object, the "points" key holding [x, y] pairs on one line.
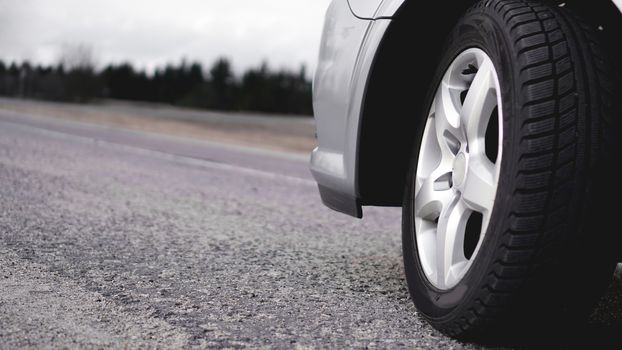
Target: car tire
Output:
{"points": [[546, 253]]}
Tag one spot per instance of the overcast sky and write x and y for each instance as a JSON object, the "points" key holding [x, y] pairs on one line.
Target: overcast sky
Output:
{"points": [[151, 33]]}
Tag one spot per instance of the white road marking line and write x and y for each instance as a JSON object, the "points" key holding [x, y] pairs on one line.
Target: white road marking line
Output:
{"points": [[220, 145], [167, 156]]}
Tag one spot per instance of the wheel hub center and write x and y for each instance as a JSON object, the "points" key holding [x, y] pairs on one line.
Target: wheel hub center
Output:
{"points": [[459, 169]]}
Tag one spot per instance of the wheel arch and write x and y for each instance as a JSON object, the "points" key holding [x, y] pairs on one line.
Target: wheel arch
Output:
{"points": [[400, 79]]}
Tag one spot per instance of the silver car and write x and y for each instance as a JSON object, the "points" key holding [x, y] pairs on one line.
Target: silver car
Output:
{"points": [[494, 125]]}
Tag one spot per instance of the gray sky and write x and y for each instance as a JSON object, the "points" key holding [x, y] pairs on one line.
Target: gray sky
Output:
{"points": [[150, 33]]}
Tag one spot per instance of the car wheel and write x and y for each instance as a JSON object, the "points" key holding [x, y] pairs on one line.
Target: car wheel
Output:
{"points": [[504, 216]]}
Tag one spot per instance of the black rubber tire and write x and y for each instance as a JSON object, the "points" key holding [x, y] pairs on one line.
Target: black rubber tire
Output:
{"points": [[548, 254]]}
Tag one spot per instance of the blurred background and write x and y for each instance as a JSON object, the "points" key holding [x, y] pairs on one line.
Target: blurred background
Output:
{"points": [[112, 62]]}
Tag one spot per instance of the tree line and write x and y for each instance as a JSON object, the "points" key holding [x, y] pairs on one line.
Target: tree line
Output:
{"points": [[75, 79]]}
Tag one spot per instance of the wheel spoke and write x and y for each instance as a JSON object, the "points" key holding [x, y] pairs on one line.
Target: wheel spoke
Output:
{"points": [[480, 185], [430, 201], [480, 101], [450, 241], [447, 118]]}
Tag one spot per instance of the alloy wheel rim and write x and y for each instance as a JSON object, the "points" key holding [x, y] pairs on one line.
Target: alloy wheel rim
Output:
{"points": [[458, 168]]}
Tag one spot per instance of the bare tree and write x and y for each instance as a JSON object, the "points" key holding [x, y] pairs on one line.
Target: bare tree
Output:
{"points": [[81, 81], [77, 57]]}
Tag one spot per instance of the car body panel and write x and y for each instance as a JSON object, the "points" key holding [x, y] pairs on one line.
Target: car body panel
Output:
{"points": [[341, 42], [364, 8], [346, 55], [374, 9]]}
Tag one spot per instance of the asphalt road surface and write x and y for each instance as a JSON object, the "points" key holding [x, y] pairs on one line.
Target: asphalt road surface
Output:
{"points": [[120, 239]]}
